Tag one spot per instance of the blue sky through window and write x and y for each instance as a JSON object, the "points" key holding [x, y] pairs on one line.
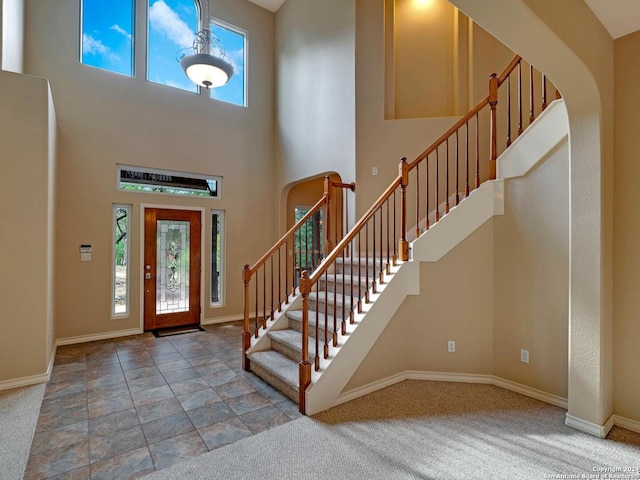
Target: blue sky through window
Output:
{"points": [[107, 42], [107, 35]]}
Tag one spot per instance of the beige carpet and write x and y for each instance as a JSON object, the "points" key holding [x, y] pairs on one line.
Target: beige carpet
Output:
{"points": [[19, 409], [421, 430]]}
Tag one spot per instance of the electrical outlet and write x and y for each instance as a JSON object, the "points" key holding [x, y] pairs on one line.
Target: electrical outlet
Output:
{"points": [[524, 356], [451, 346], [374, 170]]}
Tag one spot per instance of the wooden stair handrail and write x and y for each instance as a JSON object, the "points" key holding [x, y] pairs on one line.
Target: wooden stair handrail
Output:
{"points": [[337, 250], [510, 68], [287, 235]]}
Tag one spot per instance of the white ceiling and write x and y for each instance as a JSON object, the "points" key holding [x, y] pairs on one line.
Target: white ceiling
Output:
{"points": [[272, 5], [619, 17]]}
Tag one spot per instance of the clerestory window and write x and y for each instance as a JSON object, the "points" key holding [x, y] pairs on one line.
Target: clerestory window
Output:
{"points": [[107, 33], [107, 42]]}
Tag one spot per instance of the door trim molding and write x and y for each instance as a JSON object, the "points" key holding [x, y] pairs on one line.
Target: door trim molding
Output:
{"points": [[203, 251]]}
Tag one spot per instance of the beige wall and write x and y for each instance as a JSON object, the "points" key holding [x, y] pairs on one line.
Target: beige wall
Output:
{"points": [[627, 228], [11, 35], [455, 303], [26, 191], [105, 119], [531, 302]]}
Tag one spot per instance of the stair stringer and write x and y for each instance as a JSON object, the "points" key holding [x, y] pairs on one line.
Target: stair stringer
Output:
{"points": [[334, 375]]}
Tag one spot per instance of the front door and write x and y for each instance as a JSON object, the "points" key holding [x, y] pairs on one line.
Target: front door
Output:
{"points": [[171, 268]]}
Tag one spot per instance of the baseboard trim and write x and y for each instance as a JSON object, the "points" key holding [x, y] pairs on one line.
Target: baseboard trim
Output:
{"points": [[626, 423], [591, 428], [452, 377], [531, 392], [227, 319], [31, 379], [97, 336]]}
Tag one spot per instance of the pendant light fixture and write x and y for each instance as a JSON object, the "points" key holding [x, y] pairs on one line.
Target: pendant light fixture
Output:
{"points": [[208, 65]]}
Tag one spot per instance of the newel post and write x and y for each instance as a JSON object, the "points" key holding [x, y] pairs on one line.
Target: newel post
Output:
{"points": [[305, 366], [328, 195], [493, 102], [246, 334], [403, 245]]}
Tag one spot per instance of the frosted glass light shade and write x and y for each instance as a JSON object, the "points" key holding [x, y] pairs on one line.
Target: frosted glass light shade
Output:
{"points": [[206, 70]]}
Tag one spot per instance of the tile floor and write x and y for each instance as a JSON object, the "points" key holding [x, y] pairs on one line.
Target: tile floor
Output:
{"points": [[122, 408]]}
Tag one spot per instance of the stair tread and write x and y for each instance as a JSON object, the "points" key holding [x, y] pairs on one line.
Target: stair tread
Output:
{"points": [[293, 339], [278, 365]]}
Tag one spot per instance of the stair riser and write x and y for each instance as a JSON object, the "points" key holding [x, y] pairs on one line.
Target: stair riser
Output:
{"points": [[339, 310], [296, 325], [346, 267], [339, 287], [275, 382], [287, 350]]}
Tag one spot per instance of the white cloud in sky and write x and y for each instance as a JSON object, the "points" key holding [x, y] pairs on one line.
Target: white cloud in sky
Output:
{"points": [[121, 31], [95, 47], [167, 22]]}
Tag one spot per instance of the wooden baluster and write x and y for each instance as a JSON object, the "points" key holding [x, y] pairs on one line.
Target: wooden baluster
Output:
{"points": [[359, 274], [326, 314], [246, 334], [351, 309], [544, 92], [271, 316], [328, 246], [509, 110], [305, 366], [466, 180], [346, 218], [493, 103], [380, 267], [437, 186], [457, 168], [279, 280], [388, 248], [344, 303], [477, 151], [426, 193], [334, 334], [316, 360], [264, 295], [373, 266], [403, 245], [286, 270], [395, 236], [532, 111], [366, 263], [257, 307], [446, 183], [417, 200], [519, 97]]}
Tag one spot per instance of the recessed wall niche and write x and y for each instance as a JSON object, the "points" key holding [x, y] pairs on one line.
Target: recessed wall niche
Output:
{"points": [[426, 59]]}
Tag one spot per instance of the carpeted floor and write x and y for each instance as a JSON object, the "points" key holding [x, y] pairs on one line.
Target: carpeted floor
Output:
{"points": [[19, 409], [422, 430]]}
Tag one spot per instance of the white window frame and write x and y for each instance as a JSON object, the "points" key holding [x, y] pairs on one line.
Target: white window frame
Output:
{"points": [[159, 171], [245, 34], [222, 265], [127, 311]]}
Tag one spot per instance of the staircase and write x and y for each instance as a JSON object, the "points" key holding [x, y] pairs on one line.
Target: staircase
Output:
{"points": [[308, 343]]}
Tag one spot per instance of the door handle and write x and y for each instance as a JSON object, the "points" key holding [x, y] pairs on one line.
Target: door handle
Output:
{"points": [[147, 276]]}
